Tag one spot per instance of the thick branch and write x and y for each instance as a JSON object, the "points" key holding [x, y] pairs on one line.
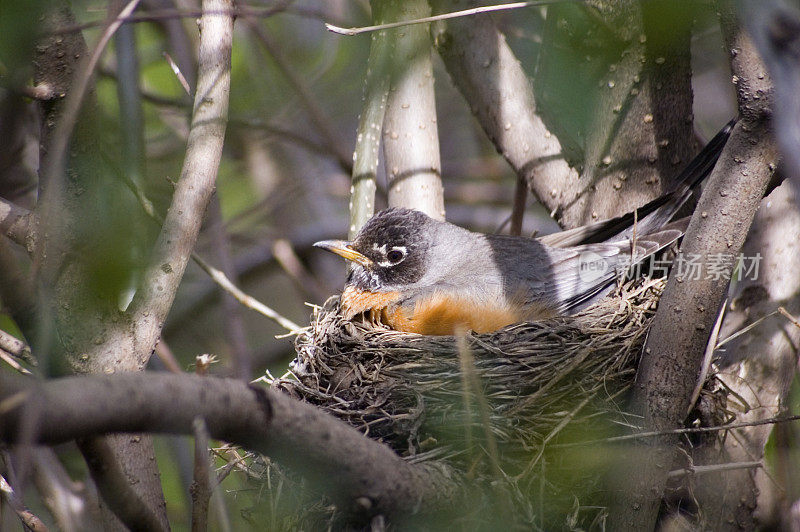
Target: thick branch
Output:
{"points": [[490, 78], [410, 136], [365, 156], [87, 250], [674, 349], [363, 475], [615, 81], [113, 483], [758, 365]]}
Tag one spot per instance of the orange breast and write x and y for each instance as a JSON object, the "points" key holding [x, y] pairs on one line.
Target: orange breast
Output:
{"points": [[442, 315], [439, 314]]}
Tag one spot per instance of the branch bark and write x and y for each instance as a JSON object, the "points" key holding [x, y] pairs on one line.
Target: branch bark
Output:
{"points": [[364, 476], [78, 210], [16, 223], [200, 489], [365, 156], [196, 183], [674, 349], [112, 479], [489, 76], [758, 366], [410, 135]]}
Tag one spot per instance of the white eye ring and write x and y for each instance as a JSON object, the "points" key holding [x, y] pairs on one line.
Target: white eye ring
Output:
{"points": [[394, 256]]}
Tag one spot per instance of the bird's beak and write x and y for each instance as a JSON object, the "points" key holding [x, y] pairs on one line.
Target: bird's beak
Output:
{"points": [[343, 249]]}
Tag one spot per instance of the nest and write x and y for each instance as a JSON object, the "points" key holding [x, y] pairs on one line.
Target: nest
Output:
{"points": [[493, 406], [428, 396]]}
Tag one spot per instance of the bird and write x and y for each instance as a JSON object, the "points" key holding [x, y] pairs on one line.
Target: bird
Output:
{"points": [[420, 275]]}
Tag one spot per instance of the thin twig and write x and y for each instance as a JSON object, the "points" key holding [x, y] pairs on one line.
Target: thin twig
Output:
{"points": [[200, 488], [178, 74], [62, 497], [6, 357], [552, 434], [707, 357], [164, 353], [744, 330], [282, 134], [518, 208], [16, 347], [29, 520], [248, 301], [216, 275], [443, 16], [315, 111], [691, 430], [716, 468], [147, 96], [234, 329], [285, 255], [789, 317], [237, 462], [168, 14], [472, 387]]}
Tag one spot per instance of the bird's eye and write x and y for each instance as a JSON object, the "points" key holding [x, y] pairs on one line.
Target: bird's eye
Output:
{"points": [[396, 254]]}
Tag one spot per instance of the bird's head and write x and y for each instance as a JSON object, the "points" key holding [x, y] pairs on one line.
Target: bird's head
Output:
{"points": [[389, 252]]}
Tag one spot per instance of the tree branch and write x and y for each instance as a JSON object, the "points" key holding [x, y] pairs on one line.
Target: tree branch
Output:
{"points": [[621, 101], [410, 136], [196, 183], [368, 138], [493, 83], [113, 483], [30, 521], [200, 489], [674, 349], [364, 476], [759, 365], [16, 223]]}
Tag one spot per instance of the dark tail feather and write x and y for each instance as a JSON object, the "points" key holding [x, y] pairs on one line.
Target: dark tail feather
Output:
{"points": [[655, 214]]}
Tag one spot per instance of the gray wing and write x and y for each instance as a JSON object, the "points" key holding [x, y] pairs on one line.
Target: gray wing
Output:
{"points": [[570, 279]]}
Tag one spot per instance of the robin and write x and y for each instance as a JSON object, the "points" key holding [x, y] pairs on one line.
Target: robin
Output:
{"points": [[421, 275]]}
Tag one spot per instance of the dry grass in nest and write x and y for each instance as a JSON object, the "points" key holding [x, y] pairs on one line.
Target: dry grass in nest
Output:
{"points": [[533, 379], [492, 407]]}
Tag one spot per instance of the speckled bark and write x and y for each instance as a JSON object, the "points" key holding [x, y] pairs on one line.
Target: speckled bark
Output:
{"points": [[489, 76], [84, 210], [674, 349], [410, 131], [759, 366], [370, 123], [639, 130], [636, 134]]}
